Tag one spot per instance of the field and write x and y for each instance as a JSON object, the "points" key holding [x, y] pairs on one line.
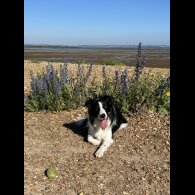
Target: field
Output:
{"points": [[137, 163], [158, 57]]}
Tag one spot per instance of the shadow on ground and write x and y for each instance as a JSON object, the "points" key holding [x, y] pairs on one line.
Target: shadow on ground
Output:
{"points": [[78, 127]]}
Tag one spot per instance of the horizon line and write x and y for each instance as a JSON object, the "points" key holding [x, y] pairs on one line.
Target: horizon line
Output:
{"points": [[37, 44]]}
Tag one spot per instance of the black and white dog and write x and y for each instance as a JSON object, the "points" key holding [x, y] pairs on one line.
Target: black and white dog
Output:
{"points": [[104, 117]]}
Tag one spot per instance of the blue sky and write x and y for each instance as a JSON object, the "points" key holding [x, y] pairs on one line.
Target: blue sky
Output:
{"points": [[97, 22]]}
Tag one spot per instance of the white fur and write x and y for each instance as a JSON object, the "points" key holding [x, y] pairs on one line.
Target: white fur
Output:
{"points": [[93, 141], [99, 136], [102, 110], [123, 125]]}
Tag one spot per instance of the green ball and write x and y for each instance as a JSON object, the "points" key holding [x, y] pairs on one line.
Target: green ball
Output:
{"points": [[51, 173]]}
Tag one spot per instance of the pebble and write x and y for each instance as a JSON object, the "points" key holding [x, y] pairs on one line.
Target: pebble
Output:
{"points": [[81, 193], [165, 167], [125, 192], [157, 178]]}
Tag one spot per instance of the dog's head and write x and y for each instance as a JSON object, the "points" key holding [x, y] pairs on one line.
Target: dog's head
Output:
{"points": [[100, 108]]}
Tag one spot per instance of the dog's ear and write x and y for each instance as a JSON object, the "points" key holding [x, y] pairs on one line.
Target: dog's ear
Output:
{"points": [[109, 99], [89, 103]]}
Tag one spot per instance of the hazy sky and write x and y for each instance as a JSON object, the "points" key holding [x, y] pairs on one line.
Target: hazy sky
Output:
{"points": [[97, 22]]}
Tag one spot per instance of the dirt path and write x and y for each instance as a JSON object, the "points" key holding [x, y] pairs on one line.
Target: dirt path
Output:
{"points": [[137, 163]]}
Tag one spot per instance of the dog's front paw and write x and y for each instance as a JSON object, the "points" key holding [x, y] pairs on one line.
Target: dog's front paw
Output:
{"points": [[95, 142], [99, 153]]}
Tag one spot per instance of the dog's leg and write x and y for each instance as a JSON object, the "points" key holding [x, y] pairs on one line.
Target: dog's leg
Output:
{"points": [[123, 125], [105, 145], [93, 141], [107, 142]]}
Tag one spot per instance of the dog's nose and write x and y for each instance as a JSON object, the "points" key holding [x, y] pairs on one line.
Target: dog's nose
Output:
{"points": [[102, 115]]}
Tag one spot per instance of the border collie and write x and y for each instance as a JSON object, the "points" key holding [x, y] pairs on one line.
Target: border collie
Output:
{"points": [[104, 118]]}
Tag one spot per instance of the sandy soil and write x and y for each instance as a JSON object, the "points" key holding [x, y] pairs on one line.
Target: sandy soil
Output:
{"points": [[137, 163]]}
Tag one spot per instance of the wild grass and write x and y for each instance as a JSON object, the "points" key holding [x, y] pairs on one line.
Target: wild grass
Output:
{"points": [[57, 90], [35, 61], [113, 62]]}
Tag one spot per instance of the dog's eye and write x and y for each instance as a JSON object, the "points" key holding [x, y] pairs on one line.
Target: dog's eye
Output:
{"points": [[107, 108], [104, 106]]}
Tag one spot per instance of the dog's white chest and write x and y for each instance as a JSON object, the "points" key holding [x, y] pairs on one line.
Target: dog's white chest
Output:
{"points": [[100, 134]]}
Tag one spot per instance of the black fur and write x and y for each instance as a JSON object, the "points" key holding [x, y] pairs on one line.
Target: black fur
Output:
{"points": [[113, 112]]}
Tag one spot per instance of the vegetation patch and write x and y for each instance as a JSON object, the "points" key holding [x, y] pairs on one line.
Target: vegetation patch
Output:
{"points": [[57, 90]]}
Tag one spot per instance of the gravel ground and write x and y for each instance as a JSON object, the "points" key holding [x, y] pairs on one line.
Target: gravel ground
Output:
{"points": [[137, 163]]}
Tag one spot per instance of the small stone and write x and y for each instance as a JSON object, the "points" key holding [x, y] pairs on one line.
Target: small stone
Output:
{"points": [[165, 167], [125, 192], [81, 193]]}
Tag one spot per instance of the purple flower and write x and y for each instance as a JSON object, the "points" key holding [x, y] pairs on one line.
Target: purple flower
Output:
{"points": [[79, 71], [36, 85], [63, 75], [88, 72], [44, 86], [80, 79], [140, 62], [56, 84], [124, 84], [51, 80], [33, 81], [126, 81], [48, 75], [104, 72], [163, 86], [116, 79]]}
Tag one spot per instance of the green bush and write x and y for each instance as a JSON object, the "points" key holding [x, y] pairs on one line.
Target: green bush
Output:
{"points": [[113, 62], [57, 90]]}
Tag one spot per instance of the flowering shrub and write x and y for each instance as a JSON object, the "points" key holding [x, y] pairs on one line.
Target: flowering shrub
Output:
{"points": [[162, 96], [57, 90], [140, 62]]}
